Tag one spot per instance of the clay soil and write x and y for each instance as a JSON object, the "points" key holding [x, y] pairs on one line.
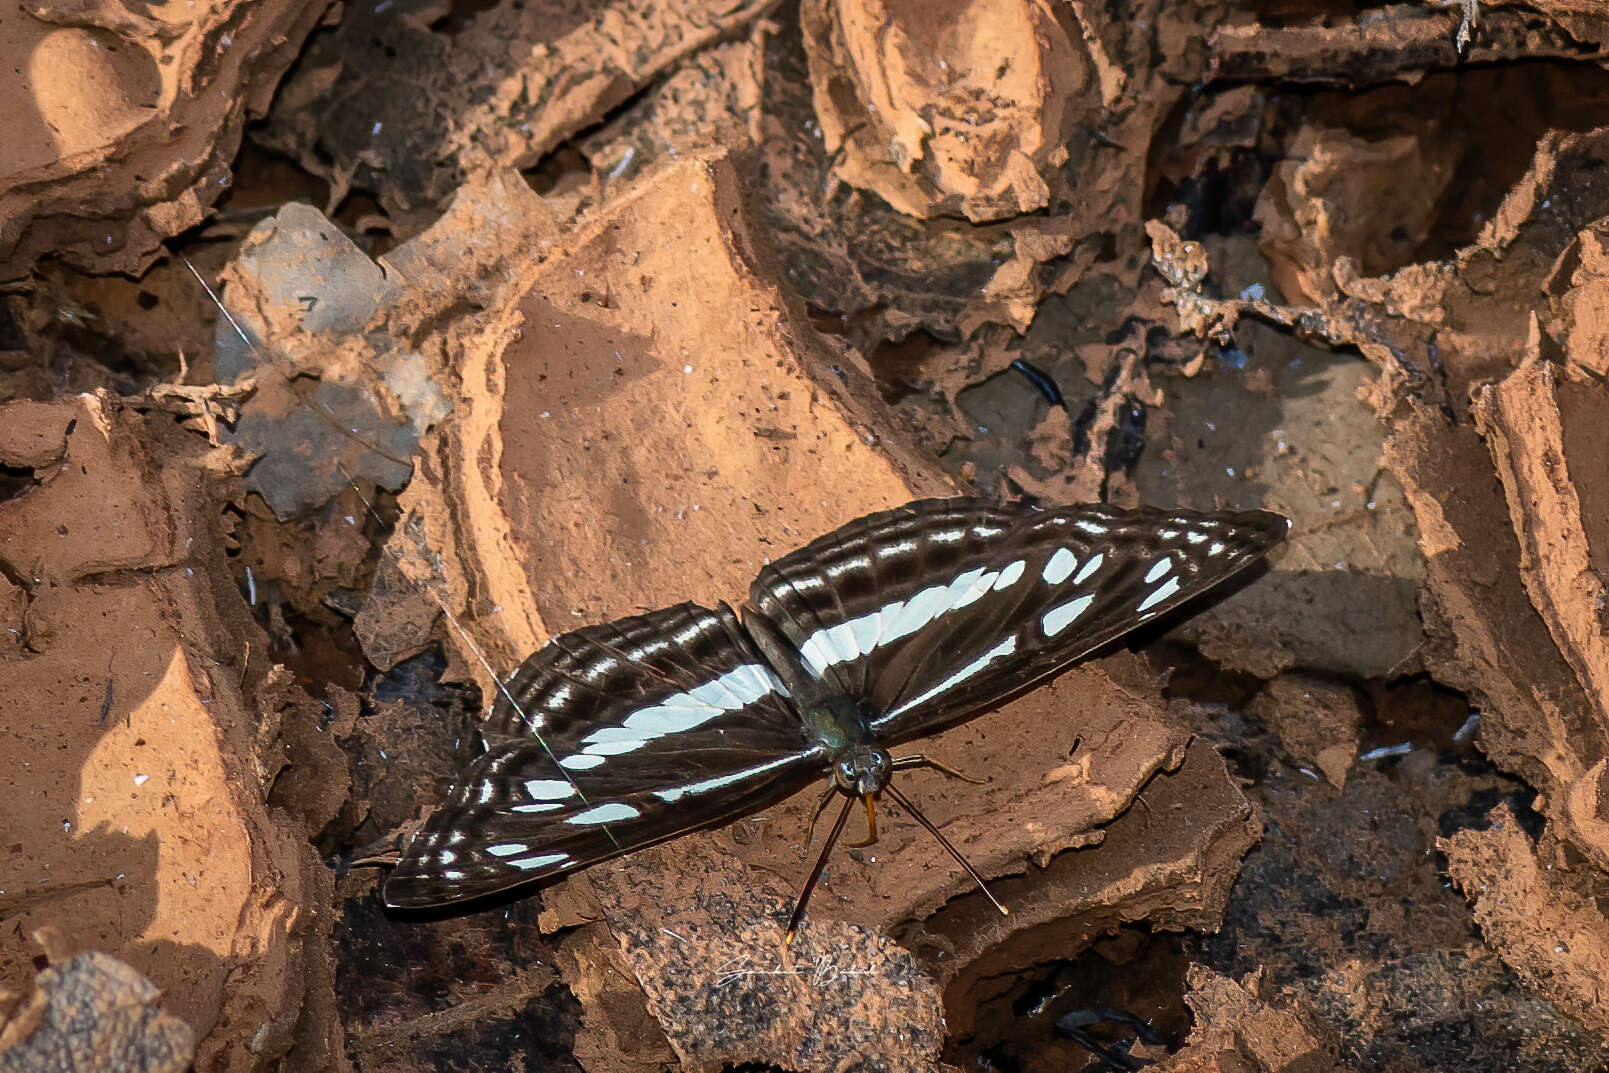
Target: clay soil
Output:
{"points": [[349, 354]]}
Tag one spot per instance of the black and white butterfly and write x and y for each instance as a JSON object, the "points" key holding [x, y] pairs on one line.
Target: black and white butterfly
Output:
{"points": [[622, 735]]}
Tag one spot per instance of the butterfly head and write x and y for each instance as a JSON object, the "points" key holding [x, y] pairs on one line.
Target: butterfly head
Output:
{"points": [[862, 769]]}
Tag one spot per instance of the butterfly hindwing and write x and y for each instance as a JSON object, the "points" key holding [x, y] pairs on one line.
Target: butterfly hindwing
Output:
{"points": [[610, 739], [932, 611]]}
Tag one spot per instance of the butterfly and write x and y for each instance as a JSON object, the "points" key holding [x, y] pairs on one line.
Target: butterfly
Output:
{"points": [[618, 736]]}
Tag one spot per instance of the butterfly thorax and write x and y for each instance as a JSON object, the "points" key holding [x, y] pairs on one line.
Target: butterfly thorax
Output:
{"points": [[860, 765]]}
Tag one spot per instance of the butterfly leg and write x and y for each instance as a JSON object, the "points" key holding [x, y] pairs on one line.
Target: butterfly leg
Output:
{"points": [[815, 813], [905, 803], [815, 873], [871, 825], [923, 760]]}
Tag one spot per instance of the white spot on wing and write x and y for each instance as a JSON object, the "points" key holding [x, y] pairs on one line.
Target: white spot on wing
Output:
{"points": [[548, 789], [607, 735], [736, 689], [507, 849], [675, 793], [840, 643], [686, 633], [969, 587], [864, 632], [850, 640], [897, 550], [1160, 567], [1195, 537], [612, 812], [1004, 648], [1060, 566], [1215, 548], [806, 583], [615, 748], [658, 720], [538, 806], [1011, 575], [843, 648], [580, 762], [851, 565], [918, 611], [1090, 567], [825, 647], [1061, 616], [1163, 591], [541, 860]]}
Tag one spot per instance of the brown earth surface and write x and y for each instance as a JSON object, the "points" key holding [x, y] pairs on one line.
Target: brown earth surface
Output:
{"points": [[509, 318]]}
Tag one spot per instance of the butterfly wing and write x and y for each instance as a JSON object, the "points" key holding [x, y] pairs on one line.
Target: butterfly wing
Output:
{"points": [[610, 739], [932, 611]]}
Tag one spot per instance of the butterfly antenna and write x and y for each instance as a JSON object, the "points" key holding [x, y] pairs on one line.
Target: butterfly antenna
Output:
{"points": [[385, 549], [469, 643], [340, 427], [815, 813], [815, 872], [905, 803]]}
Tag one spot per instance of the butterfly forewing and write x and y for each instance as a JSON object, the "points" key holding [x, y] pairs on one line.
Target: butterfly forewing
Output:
{"points": [[612, 738], [930, 612]]}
